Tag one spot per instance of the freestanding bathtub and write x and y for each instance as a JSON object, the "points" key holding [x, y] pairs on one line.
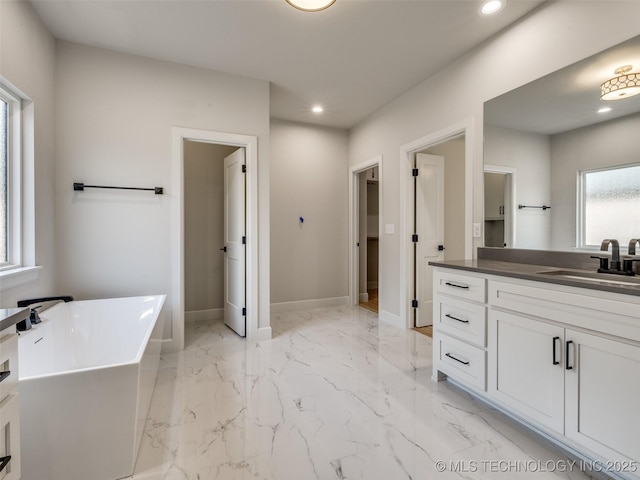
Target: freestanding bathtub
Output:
{"points": [[86, 378]]}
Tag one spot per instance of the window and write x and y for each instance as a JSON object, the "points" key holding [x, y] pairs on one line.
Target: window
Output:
{"points": [[609, 202], [10, 163]]}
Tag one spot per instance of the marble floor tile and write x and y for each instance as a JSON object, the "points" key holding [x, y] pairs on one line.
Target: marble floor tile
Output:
{"points": [[334, 395]]}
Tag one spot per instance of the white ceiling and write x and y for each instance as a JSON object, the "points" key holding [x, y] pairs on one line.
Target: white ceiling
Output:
{"points": [[569, 98], [353, 58]]}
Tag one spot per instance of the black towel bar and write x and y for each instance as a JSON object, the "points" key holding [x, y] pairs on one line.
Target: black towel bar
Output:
{"points": [[79, 187]]}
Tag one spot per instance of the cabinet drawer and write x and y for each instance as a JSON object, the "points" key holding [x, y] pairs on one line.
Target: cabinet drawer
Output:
{"points": [[460, 285], [462, 319], [461, 361], [10, 437], [8, 365]]}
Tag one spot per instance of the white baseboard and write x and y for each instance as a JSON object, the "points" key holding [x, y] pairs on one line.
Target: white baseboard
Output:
{"points": [[392, 319], [308, 304], [371, 285], [210, 314], [364, 297]]}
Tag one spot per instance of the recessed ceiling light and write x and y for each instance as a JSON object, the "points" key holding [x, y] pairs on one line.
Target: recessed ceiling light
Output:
{"points": [[604, 110], [317, 109], [492, 6], [311, 5]]}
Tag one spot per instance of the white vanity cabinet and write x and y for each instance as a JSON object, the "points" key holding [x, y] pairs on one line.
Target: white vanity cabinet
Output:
{"points": [[9, 401], [564, 360], [526, 371], [459, 319]]}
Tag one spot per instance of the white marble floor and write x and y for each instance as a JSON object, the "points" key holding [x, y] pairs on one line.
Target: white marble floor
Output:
{"points": [[334, 395]]}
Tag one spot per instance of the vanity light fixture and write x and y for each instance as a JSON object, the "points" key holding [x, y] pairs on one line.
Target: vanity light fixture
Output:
{"points": [[492, 6], [317, 109], [311, 5], [625, 84]]}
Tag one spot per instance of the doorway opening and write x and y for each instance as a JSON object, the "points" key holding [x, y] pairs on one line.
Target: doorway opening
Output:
{"points": [[436, 208], [214, 225], [368, 238], [248, 145], [499, 206], [365, 200]]}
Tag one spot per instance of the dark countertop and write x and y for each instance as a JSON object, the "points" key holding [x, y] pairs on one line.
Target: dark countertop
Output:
{"points": [[11, 316], [571, 277]]}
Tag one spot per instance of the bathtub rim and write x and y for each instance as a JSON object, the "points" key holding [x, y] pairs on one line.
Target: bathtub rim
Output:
{"points": [[135, 360]]}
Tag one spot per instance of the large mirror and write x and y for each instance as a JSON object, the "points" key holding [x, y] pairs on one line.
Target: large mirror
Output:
{"points": [[562, 165]]}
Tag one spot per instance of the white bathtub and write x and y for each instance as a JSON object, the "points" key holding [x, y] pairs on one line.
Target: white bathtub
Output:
{"points": [[87, 374]]}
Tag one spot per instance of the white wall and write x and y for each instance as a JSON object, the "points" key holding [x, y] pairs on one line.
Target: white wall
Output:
{"points": [[114, 117], [309, 261], [539, 44], [530, 155], [605, 144], [203, 225], [27, 60]]}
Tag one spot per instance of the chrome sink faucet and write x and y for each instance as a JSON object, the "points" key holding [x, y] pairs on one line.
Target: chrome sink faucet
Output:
{"points": [[632, 245], [615, 252]]}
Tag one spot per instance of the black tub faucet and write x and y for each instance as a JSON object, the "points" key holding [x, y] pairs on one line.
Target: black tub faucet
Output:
{"points": [[34, 318], [615, 251]]}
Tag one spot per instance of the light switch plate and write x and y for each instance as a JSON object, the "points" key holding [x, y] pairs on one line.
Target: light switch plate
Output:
{"points": [[477, 230], [389, 228]]}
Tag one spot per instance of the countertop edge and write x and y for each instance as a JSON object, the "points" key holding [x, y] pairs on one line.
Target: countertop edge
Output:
{"points": [[490, 268], [11, 316]]}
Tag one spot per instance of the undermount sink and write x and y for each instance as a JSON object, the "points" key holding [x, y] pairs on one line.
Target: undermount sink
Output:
{"points": [[594, 277]]}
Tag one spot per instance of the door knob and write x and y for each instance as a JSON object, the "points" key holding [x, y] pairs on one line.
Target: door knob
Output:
{"points": [[440, 248], [224, 249]]}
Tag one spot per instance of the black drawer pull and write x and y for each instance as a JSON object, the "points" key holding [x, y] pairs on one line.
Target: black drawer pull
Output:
{"points": [[4, 462], [456, 359], [555, 359], [457, 319], [465, 287], [566, 363]]}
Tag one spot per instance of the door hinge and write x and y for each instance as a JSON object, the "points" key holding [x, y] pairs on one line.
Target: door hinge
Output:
{"points": [[244, 240], [414, 172], [244, 311], [414, 238], [244, 169], [414, 303]]}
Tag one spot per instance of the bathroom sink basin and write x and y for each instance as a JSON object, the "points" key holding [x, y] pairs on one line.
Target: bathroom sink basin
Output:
{"points": [[594, 277]]}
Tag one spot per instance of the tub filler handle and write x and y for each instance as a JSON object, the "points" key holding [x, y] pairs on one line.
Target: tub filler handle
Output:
{"points": [[27, 323]]}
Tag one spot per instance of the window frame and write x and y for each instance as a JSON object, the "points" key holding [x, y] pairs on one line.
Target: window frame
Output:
{"points": [[581, 205], [14, 178]]}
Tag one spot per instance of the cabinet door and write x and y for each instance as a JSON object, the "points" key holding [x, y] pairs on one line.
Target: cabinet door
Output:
{"points": [[525, 369], [602, 395]]}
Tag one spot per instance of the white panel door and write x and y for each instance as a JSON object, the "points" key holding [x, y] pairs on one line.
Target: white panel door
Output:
{"points": [[234, 234], [525, 368], [602, 392], [430, 230]]}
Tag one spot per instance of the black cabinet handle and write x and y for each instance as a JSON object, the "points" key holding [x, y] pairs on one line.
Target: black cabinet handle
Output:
{"points": [[456, 359], [555, 359], [566, 363], [4, 461], [4, 375], [466, 287], [457, 319]]}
